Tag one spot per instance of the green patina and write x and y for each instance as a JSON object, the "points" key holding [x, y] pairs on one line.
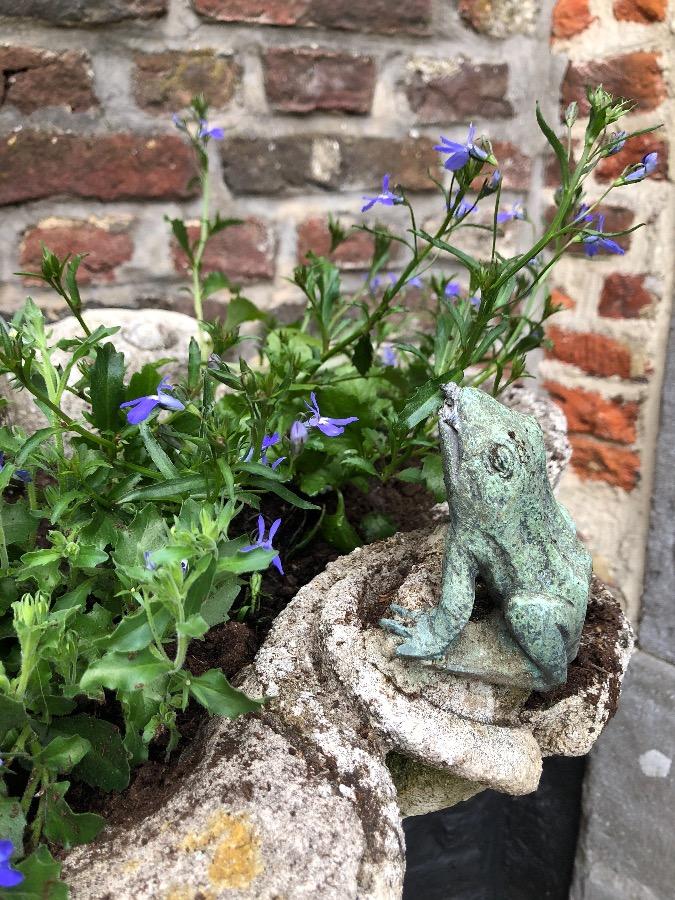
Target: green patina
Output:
{"points": [[507, 528]]}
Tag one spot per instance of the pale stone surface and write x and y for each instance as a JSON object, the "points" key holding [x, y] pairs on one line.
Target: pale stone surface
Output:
{"points": [[145, 336], [303, 789], [625, 847]]}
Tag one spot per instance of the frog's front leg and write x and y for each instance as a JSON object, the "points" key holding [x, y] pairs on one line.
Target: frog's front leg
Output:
{"points": [[431, 633]]}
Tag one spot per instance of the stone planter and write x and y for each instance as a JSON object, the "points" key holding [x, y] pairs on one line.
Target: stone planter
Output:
{"points": [[305, 799]]}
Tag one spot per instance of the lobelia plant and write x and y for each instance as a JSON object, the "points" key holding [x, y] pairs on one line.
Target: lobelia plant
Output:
{"points": [[129, 532]]}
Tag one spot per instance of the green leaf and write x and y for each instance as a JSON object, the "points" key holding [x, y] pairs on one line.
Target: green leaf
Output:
{"points": [[432, 471], [62, 825], [105, 765], [375, 527], [215, 608], [253, 561], [557, 147], [63, 752], [134, 633], [412, 475], [338, 530], [12, 819], [38, 437], [188, 485], [181, 234], [42, 881], [284, 493], [144, 382], [214, 282], [194, 364], [124, 672], [363, 354], [215, 693], [88, 557], [106, 388], [156, 453], [194, 627], [239, 310], [19, 524], [472, 264], [424, 402]]}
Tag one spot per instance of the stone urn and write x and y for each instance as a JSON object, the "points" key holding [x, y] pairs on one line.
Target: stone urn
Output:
{"points": [[305, 798]]}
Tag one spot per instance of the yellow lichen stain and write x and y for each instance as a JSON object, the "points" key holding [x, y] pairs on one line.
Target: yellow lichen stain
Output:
{"points": [[132, 865], [236, 860], [183, 893]]}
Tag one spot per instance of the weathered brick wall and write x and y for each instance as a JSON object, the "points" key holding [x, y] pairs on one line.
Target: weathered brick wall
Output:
{"points": [[319, 98]]}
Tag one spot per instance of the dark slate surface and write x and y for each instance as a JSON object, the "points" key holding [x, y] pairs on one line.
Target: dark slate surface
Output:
{"points": [[496, 847], [657, 628]]}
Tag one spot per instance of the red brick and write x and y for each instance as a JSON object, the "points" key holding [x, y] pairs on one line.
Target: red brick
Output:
{"points": [[588, 412], [303, 80], [243, 252], [107, 246], [301, 163], [598, 461], [444, 92], [516, 167], [498, 18], [637, 76], [624, 296], [380, 16], [560, 299], [570, 17], [611, 167], [35, 165], [640, 10], [84, 12], [167, 81], [38, 78], [354, 253], [593, 353]]}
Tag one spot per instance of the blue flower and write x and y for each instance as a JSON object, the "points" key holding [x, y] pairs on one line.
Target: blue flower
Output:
{"points": [[475, 300], [460, 154], [596, 242], [385, 197], [508, 215], [375, 283], [149, 564], [9, 877], [495, 180], [265, 543], [583, 215], [616, 142], [452, 289], [210, 132], [21, 474], [643, 169], [269, 440], [141, 407], [298, 435], [464, 209], [328, 426], [388, 355]]}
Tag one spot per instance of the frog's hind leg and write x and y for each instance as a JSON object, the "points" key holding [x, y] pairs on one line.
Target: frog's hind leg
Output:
{"points": [[535, 621]]}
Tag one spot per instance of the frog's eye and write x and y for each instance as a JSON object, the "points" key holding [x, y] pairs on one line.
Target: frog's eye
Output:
{"points": [[499, 459]]}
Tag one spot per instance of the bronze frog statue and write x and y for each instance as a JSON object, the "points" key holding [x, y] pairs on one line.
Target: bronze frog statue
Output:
{"points": [[507, 528]]}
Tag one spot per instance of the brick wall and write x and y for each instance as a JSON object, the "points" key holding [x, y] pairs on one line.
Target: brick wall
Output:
{"points": [[318, 99]]}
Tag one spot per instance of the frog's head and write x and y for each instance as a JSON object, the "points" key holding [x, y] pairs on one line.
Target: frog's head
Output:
{"points": [[493, 456]]}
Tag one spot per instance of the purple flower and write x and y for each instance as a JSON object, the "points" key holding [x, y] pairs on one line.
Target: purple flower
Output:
{"points": [[375, 283], [616, 142], [596, 242], [269, 440], [494, 182], [298, 435], [643, 169], [9, 877], [475, 300], [452, 289], [21, 474], [508, 215], [460, 154], [265, 543], [464, 209], [178, 122], [388, 355], [385, 197], [141, 407], [583, 215], [328, 426], [206, 132], [149, 564]]}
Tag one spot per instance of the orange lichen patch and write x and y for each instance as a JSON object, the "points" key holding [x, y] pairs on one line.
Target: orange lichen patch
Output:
{"points": [[236, 859]]}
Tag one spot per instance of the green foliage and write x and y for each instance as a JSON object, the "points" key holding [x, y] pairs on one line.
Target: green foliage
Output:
{"points": [[122, 543]]}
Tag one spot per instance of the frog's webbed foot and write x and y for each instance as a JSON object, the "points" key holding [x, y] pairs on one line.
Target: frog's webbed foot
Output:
{"points": [[421, 640]]}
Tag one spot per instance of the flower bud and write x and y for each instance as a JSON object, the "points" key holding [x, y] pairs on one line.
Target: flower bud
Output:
{"points": [[571, 113], [298, 435]]}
